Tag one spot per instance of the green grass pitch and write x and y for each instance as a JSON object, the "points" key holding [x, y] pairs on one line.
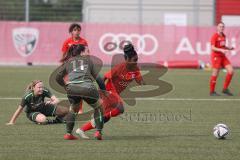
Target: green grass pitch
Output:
{"points": [[176, 126]]}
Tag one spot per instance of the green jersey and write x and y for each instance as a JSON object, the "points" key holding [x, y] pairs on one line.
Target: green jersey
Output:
{"points": [[34, 103], [79, 69]]}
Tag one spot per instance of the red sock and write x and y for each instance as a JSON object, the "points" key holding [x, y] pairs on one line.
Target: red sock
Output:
{"points": [[227, 80], [87, 126], [113, 113], [213, 83]]}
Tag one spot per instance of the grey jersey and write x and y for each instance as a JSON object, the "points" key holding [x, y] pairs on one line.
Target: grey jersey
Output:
{"points": [[78, 69]]}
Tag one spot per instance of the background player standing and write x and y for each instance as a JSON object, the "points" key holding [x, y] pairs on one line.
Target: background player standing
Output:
{"points": [[74, 30], [219, 60]]}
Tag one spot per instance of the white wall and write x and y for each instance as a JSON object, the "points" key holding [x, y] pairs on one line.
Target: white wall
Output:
{"points": [[198, 12]]}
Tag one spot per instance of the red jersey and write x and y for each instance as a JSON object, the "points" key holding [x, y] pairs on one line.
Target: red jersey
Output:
{"points": [[218, 41], [119, 77], [70, 42]]}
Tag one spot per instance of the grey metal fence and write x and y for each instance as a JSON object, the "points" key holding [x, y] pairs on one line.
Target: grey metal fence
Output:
{"points": [[41, 10]]}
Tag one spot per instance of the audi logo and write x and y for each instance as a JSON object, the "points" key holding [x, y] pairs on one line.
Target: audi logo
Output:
{"points": [[145, 44]]}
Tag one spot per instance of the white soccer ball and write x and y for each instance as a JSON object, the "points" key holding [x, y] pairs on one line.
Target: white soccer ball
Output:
{"points": [[220, 131]]}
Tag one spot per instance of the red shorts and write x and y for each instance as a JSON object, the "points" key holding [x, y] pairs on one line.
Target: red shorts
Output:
{"points": [[110, 101], [219, 62]]}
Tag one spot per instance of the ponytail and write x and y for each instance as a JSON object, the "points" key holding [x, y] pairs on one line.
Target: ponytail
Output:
{"points": [[129, 51]]}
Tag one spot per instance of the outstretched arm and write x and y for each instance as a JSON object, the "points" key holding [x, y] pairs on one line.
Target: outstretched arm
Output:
{"points": [[15, 115]]}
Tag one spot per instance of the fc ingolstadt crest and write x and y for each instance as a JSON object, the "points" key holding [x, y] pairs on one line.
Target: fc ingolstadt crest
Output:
{"points": [[25, 40]]}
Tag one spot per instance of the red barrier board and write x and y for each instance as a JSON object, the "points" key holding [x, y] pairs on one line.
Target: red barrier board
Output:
{"points": [[40, 42]]}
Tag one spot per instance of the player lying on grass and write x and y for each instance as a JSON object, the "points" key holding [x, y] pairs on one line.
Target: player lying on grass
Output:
{"points": [[117, 79], [81, 71], [37, 110]]}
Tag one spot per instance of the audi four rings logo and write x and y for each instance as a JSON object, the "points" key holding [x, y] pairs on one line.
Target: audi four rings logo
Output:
{"points": [[110, 43]]}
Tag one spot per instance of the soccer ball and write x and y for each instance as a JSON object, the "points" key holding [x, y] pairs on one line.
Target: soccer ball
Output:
{"points": [[220, 131]]}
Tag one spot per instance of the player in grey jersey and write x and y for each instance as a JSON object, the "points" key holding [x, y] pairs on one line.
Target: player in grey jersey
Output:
{"points": [[81, 71]]}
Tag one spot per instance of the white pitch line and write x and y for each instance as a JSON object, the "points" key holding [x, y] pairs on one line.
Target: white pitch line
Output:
{"points": [[152, 99], [187, 99]]}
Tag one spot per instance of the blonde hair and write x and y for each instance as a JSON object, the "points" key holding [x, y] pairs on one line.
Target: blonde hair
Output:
{"points": [[31, 85]]}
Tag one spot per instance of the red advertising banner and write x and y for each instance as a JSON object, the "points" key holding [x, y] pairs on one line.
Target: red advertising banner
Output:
{"points": [[40, 43]]}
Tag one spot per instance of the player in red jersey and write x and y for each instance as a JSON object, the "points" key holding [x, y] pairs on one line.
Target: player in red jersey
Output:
{"points": [[119, 77], [116, 81], [74, 30], [219, 60]]}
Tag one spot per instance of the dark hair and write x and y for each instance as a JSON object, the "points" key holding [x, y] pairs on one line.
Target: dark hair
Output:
{"points": [[129, 51], [74, 50], [74, 25]]}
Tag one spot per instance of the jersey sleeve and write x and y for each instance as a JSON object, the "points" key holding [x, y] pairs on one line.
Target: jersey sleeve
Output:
{"points": [[60, 74], [23, 102], [26, 99], [95, 65], [93, 69], [213, 40], [47, 93], [65, 46], [85, 43]]}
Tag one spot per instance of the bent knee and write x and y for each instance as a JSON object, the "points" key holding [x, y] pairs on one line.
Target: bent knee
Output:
{"points": [[41, 118]]}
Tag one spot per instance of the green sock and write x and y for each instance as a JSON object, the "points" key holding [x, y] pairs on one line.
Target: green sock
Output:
{"points": [[98, 118]]}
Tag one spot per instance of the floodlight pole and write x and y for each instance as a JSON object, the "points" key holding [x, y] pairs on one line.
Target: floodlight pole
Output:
{"points": [[26, 10]]}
